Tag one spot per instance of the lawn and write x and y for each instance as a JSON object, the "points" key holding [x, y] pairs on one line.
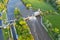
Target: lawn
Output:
{"points": [[53, 30], [54, 19], [36, 4]]}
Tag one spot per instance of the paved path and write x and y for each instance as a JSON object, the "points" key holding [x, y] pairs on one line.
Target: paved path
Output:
{"points": [[41, 31], [37, 29]]}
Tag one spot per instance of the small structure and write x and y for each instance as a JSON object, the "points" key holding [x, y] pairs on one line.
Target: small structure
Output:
{"points": [[32, 18], [37, 13]]}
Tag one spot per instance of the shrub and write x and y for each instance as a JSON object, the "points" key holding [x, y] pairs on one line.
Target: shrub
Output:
{"points": [[28, 5]]}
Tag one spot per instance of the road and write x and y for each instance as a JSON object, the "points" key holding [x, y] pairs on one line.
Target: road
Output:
{"points": [[40, 29], [1, 33], [10, 16], [37, 29]]}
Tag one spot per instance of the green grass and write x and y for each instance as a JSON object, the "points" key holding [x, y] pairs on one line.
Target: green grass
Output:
{"points": [[54, 19], [40, 4], [5, 34], [4, 16]]}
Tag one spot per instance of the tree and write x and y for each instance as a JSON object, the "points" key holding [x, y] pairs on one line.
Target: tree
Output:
{"points": [[17, 13], [5, 1]]}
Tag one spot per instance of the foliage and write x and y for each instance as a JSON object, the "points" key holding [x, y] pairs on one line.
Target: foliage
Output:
{"points": [[1, 1], [56, 30], [28, 5], [2, 6], [5, 1], [23, 30], [5, 34], [17, 13]]}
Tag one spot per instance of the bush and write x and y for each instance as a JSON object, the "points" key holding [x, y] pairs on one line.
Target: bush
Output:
{"points": [[23, 30], [28, 5]]}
